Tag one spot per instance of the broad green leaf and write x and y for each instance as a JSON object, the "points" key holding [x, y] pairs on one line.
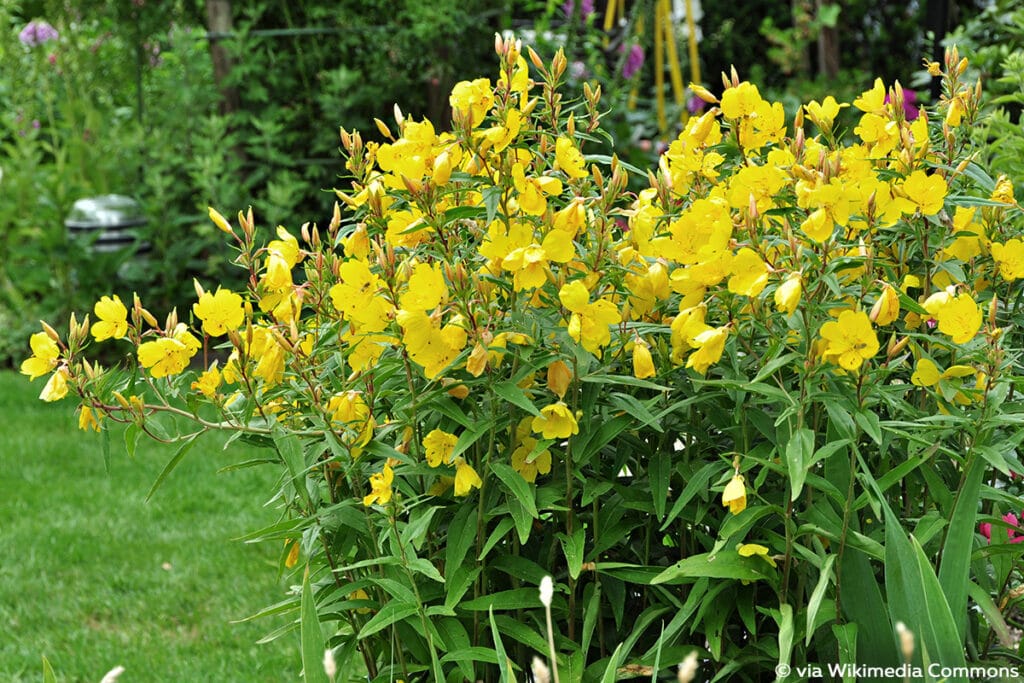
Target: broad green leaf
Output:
{"points": [[572, 548], [659, 470], [846, 638], [460, 537], [179, 454], [694, 484], [516, 396], [517, 486], [289, 447], [868, 421], [392, 611], [422, 565], [799, 451], [514, 598], [312, 636], [861, 599], [785, 633], [955, 567], [725, 565], [503, 527]]}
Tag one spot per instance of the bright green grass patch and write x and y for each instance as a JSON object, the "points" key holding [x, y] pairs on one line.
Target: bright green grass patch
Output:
{"points": [[92, 576]]}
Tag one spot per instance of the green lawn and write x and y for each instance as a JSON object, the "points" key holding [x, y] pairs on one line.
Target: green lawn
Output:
{"points": [[92, 576]]}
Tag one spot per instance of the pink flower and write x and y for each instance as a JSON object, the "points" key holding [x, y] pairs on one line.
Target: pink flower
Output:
{"points": [[634, 61], [1014, 536], [37, 32]]}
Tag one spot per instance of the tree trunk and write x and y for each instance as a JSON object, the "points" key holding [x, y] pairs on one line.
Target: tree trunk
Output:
{"points": [[219, 24]]}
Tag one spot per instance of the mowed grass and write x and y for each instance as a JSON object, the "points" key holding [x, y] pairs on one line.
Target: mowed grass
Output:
{"points": [[92, 576]]}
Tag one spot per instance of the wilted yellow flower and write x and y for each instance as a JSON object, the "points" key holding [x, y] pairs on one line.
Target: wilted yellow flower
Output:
{"points": [[559, 377], [472, 99], [643, 364], [887, 308], [787, 296], [438, 446], [208, 382], [556, 421], [734, 496], [57, 386], [1003, 191], [113, 318], [87, 419], [466, 478], [710, 345]]}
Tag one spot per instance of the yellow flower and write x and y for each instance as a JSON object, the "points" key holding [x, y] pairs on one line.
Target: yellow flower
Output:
{"points": [[643, 364], [472, 99], [752, 549], [530, 264], [438, 446], [113, 319], [429, 345], [960, 318], [555, 421], [45, 353], [87, 419], [220, 312], [734, 496], [1010, 259], [426, 290], [1003, 191], [740, 101], [56, 387], [541, 463], [926, 191], [477, 361], [380, 485], [532, 190], [568, 159], [787, 296], [466, 478], [750, 273], [169, 355], [872, 100], [349, 409], [559, 377], [824, 114], [293, 553], [926, 374], [208, 382], [850, 340], [887, 308], [710, 344]]}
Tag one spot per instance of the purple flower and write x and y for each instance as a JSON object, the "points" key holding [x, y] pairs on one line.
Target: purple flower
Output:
{"points": [[910, 112], [634, 60], [695, 105], [586, 8], [37, 32]]}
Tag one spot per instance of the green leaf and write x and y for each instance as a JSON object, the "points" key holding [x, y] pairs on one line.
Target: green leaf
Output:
{"points": [[392, 611], [725, 565], [846, 638], [785, 633], [798, 455], [132, 434], [869, 423], [289, 447], [814, 604], [694, 484], [504, 664], [460, 538], [659, 470], [516, 396], [499, 532], [312, 636], [422, 565], [572, 547], [955, 567], [517, 486], [992, 614], [862, 603], [492, 197], [183, 449], [514, 598], [48, 675], [470, 437], [612, 670], [105, 446]]}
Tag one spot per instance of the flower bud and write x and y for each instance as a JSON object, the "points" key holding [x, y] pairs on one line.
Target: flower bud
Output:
{"points": [[559, 377], [220, 221]]}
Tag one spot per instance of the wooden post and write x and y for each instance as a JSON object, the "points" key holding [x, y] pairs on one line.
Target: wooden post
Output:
{"points": [[219, 23]]}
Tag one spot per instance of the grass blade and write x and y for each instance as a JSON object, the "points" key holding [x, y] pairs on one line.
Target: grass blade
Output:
{"points": [[955, 570]]}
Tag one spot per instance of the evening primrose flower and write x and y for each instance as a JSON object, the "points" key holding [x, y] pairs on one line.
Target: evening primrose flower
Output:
{"points": [[1003, 191], [113, 319], [555, 421], [558, 378], [57, 386], [438, 446], [380, 485], [734, 496], [756, 550], [466, 478], [823, 114], [87, 419], [1009, 256], [750, 273], [643, 363], [887, 308], [927, 192], [426, 289], [472, 99], [530, 264], [568, 159], [220, 311], [208, 382], [960, 318], [45, 353], [169, 355], [529, 469], [787, 296], [710, 345], [850, 340]]}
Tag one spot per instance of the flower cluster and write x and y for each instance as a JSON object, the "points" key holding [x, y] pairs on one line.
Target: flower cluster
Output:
{"points": [[37, 32]]}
